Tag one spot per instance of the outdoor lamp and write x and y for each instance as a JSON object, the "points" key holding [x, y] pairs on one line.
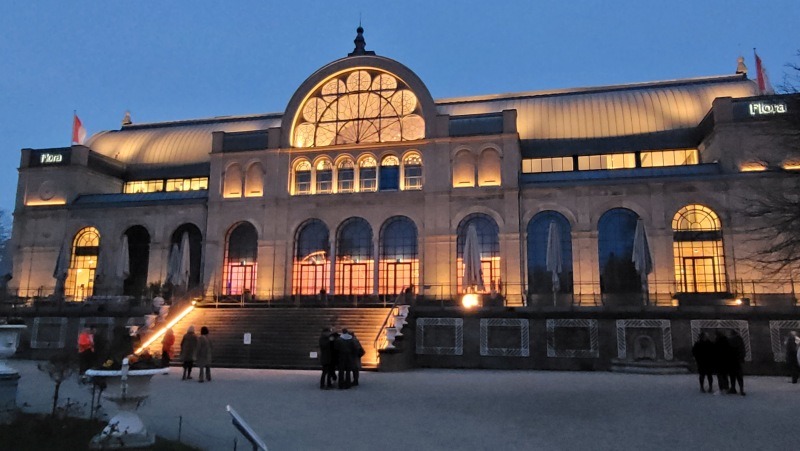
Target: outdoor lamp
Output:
{"points": [[469, 300]]}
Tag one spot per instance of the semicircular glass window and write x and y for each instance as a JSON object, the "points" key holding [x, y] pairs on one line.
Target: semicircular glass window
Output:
{"points": [[362, 106]]}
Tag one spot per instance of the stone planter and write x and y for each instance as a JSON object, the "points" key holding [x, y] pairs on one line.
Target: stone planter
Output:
{"points": [[9, 377], [128, 389]]}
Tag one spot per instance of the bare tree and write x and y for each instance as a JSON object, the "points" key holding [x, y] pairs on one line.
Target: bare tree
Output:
{"points": [[59, 367]]}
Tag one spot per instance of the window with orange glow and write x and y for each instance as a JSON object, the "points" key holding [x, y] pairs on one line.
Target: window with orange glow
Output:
{"points": [[311, 266], [489, 244], [698, 250], [361, 106], [412, 172], [354, 258], [241, 260], [399, 264], [83, 264]]}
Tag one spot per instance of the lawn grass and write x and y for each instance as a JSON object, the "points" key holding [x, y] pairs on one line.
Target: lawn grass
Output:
{"points": [[36, 432]]}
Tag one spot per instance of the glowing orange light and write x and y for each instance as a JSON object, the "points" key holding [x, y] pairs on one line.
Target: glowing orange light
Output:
{"points": [[753, 167], [164, 329], [42, 203], [470, 300]]}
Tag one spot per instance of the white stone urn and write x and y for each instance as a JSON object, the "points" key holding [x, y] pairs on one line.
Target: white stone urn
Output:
{"points": [[9, 340], [9, 377], [128, 389], [391, 334], [398, 324], [402, 311]]}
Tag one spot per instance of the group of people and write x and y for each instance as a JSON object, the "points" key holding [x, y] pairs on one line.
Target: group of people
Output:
{"points": [[196, 351], [723, 357], [339, 353]]}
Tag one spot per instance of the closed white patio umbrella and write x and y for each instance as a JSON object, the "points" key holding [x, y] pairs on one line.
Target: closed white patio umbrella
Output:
{"points": [[641, 258], [553, 256], [471, 258]]}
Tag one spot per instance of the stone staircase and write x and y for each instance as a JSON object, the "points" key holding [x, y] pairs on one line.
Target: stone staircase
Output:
{"points": [[279, 337]]}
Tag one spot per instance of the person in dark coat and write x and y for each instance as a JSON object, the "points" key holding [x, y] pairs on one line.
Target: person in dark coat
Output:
{"points": [[326, 359], [188, 352], [722, 352], [357, 354], [345, 349], [205, 349], [736, 370], [791, 356], [703, 352]]}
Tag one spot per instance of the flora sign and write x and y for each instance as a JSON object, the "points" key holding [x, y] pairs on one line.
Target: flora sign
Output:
{"points": [[767, 108]]}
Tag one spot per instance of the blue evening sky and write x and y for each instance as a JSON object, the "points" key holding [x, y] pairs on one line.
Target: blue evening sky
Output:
{"points": [[175, 60]]}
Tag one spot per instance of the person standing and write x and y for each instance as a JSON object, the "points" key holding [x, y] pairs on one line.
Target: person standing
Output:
{"points": [[204, 348], [358, 352], [721, 360], [86, 349], [737, 354], [166, 347], [345, 350], [326, 359], [791, 356], [188, 351], [703, 352]]}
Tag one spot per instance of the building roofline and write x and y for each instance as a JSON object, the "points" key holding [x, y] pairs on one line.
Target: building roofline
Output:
{"points": [[593, 90], [202, 121]]}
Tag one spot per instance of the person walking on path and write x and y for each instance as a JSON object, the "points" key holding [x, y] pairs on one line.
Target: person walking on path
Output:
{"points": [[345, 350], [188, 351], [737, 354], [326, 358], [791, 356], [703, 352], [722, 352], [166, 347], [358, 353], [204, 348], [86, 349]]}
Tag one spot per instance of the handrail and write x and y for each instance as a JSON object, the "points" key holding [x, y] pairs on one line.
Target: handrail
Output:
{"points": [[380, 335]]}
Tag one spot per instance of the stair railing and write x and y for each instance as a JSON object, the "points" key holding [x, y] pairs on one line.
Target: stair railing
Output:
{"points": [[380, 339]]}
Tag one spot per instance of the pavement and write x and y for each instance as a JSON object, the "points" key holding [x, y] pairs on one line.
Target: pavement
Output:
{"points": [[432, 409]]}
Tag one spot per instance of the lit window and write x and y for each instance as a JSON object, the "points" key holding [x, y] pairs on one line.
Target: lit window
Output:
{"points": [[192, 184], [359, 107], [698, 250], [367, 175], [661, 158], [324, 176], [302, 178], [345, 176], [607, 161], [143, 186], [82, 265], [537, 165], [412, 172]]}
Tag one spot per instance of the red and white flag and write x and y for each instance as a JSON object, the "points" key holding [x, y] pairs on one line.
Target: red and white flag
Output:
{"points": [[764, 86], [78, 132]]}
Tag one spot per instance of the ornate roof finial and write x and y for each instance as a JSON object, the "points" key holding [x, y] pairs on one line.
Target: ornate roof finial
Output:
{"points": [[740, 67], [360, 43], [127, 119]]}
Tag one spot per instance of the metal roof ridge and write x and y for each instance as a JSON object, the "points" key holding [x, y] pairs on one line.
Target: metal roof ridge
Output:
{"points": [[591, 89], [200, 121]]}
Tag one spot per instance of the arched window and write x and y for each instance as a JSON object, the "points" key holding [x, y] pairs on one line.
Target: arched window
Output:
{"points": [[399, 264], [362, 106], [698, 251], [345, 176], [241, 254], [367, 175], [83, 264], [324, 176], [302, 178], [464, 170], [254, 182], [187, 243], [540, 278], [232, 186], [412, 172], [138, 256], [311, 267], [390, 174], [354, 258], [489, 245], [616, 230], [489, 168]]}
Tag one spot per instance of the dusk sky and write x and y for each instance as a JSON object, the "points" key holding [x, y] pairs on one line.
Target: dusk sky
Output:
{"points": [[177, 60]]}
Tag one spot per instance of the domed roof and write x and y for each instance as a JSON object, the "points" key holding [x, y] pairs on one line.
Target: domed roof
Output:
{"points": [[173, 143], [607, 111]]}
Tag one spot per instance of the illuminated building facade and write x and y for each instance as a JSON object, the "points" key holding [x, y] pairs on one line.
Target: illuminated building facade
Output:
{"points": [[365, 185]]}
